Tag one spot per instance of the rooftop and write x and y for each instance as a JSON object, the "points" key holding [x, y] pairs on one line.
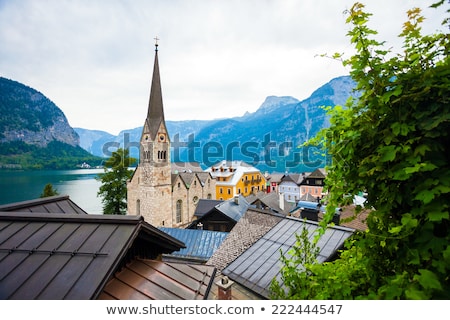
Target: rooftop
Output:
{"points": [[260, 263], [70, 256]]}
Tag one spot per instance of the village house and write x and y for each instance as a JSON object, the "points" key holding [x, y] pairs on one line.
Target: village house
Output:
{"points": [[290, 186], [305, 186], [236, 177], [273, 181], [312, 185], [273, 202]]}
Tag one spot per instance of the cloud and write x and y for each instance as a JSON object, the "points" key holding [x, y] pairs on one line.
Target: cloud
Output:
{"points": [[94, 59]]}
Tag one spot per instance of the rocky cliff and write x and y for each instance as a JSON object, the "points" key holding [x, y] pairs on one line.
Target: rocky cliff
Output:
{"points": [[27, 115]]}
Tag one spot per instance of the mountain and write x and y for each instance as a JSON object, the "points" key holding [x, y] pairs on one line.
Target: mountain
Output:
{"points": [[28, 116], [268, 138], [94, 140], [34, 132]]}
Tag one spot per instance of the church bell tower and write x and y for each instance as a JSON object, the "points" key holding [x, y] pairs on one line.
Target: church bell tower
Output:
{"points": [[149, 190]]}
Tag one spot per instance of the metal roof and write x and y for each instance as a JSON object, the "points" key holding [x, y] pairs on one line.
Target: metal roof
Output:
{"points": [[312, 205], [204, 206], [271, 200], [57, 256], [319, 173], [234, 208], [54, 204], [200, 244], [143, 279], [260, 264]]}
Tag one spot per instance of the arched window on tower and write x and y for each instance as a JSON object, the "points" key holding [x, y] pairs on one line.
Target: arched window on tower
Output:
{"points": [[179, 211]]}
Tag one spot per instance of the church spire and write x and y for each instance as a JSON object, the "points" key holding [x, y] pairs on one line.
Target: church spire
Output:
{"points": [[155, 113]]}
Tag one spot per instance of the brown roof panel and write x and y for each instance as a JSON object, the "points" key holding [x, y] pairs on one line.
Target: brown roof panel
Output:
{"points": [[157, 280]]}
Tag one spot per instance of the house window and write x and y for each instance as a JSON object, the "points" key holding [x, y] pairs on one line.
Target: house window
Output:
{"points": [[229, 191], [179, 211], [209, 196], [239, 191], [220, 190]]}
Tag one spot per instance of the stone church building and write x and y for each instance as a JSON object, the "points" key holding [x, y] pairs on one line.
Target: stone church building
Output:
{"points": [[164, 193]]}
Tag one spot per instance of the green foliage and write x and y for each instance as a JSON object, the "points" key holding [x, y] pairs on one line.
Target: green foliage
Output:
{"points": [[114, 182], [49, 191], [301, 258], [392, 143]]}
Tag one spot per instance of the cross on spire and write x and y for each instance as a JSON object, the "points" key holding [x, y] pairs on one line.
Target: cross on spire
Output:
{"points": [[156, 42]]}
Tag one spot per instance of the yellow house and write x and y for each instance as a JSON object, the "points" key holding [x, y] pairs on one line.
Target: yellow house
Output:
{"points": [[236, 177]]}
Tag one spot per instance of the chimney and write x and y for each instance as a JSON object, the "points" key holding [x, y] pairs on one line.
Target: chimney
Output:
{"points": [[236, 199], [224, 288], [281, 200]]}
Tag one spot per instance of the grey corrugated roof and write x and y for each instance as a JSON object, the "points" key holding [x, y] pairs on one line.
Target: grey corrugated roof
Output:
{"points": [[260, 264], [57, 256], [200, 244], [231, 209], [54, 204]]}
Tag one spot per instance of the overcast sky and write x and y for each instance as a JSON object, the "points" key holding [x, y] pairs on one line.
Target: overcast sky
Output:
{"points": [[94, 58]]}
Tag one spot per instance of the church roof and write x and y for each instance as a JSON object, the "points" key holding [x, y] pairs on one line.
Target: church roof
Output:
{"points": [[178, 167], [155, 113]]}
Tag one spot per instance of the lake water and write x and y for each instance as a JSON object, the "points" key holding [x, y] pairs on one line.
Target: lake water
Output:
{"points": [[80, 185]]}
